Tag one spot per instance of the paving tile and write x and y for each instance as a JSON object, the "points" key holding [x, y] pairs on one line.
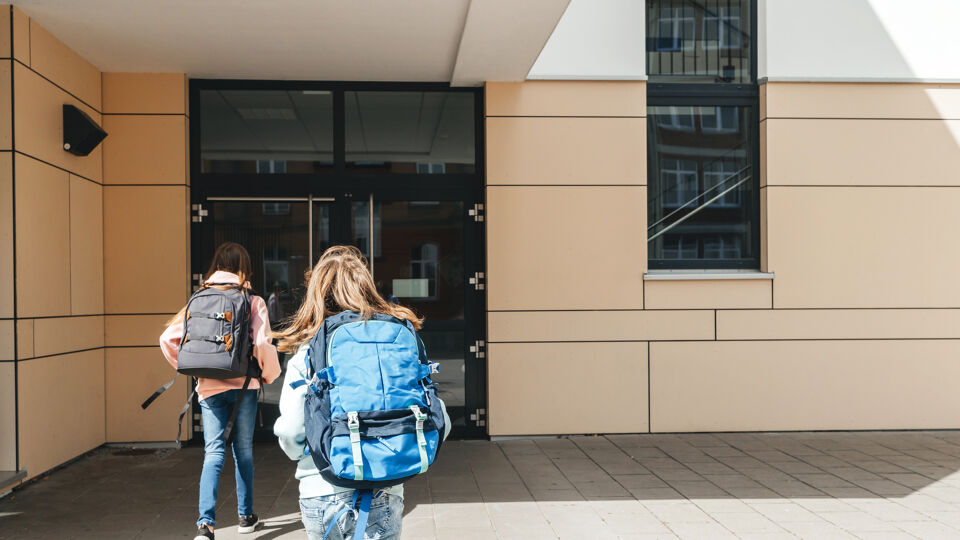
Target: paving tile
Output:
{"points": [[824, 531], [928, 530], [677, 512], [857, 521], [745, 522], [787, 512], [700, 530]]}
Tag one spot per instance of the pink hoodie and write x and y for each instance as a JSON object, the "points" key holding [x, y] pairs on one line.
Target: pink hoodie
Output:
{"points": [[263, 349]]}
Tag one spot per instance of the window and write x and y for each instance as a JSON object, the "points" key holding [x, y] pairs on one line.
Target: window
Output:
{"points": [[721, 28], [679, 118], [679, 180], [702, 132], [720, 120], [409, 132], [675, 24], [423, 267], [705, 41], [359, 131]]}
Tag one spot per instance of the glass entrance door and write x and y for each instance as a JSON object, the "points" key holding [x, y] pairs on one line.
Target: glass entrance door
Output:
{"points": [[419, 251]]}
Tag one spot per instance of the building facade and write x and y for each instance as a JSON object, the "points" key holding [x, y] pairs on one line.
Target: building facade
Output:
{"points": [[616, 216]]}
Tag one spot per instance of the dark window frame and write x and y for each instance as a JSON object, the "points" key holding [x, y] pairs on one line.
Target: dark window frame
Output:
{"points": [[714, 94]]}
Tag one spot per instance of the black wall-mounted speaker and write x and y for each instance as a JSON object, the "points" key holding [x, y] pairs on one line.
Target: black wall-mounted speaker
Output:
{"points": [[80, 133]]}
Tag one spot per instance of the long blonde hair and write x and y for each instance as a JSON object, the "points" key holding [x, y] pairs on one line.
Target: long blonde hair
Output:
{"points": [[229, 257], [340, 281]]}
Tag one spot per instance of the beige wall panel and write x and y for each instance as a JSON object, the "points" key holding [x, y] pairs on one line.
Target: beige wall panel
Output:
{"points": [[839, 324], [134, 330], [763, 101], [43, 239], [57, 62], [39, 124], [136, 221], [86, 247], [532, 387], [513, 326], [25, 338], [763, 154], [7, 349], [6, 127], [764, 232], [804, 385], [8, 416], [132, 375], [601, 151], [144, 149], [862, 152], [60, 335], [21, 36], [566, 98], [709, 294], [61, 416], [6, 234], [139, 93], [547, 244], [844, 247], [5, 31], [863, 100]]}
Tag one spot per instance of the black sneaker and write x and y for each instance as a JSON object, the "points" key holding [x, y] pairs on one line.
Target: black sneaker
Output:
{"points": [[249, 524], [203, 533]]}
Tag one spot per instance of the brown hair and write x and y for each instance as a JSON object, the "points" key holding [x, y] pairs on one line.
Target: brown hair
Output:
{"points": [[340, 281], [229, 257]]}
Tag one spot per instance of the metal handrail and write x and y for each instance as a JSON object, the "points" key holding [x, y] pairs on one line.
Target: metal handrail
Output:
{"points": [[691, 214], [684, 205]]}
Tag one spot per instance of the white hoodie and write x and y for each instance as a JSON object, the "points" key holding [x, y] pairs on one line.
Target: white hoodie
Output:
{"points": [[290, 432]]}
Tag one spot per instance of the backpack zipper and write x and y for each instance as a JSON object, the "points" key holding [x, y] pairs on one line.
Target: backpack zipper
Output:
{"points": [[385, 443]]}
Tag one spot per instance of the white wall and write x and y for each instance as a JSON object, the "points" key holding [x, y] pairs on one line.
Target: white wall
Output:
{"points": [[596, 40], [859, 40]]}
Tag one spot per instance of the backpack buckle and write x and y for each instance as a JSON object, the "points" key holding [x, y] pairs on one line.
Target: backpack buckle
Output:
{"points": [[219, 316], [353, 422]]}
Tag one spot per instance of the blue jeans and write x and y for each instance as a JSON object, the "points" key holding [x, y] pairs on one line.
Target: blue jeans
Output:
{"points": [[216, 411], [386, 517]]}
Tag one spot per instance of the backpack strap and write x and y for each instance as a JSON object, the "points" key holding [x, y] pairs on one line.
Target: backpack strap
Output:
{"points": [[353, 423], [363, 513], [421, 439], [236, 410], [421, 350], [183, 412], [162, 389]]}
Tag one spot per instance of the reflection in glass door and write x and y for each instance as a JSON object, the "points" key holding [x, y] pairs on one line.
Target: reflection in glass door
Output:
{"points": [[277, 234], [417, 250]]}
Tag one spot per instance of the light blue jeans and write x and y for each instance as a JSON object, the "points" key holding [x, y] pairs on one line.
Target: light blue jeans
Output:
{"points": [[386, 517], [216, 411]]}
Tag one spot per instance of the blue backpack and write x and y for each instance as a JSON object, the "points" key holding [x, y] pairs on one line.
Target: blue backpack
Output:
{"points": [[372, 415]]}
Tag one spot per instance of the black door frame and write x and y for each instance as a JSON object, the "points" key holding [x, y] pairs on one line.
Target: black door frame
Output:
{"points": [[345, 186]]}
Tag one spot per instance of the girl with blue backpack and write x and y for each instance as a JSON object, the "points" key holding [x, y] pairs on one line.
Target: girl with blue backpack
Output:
{"points": [[358, 411], [213, 338]]}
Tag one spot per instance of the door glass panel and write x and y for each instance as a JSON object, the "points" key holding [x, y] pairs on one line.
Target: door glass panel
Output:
{"points": [[410, 132], [275, 234], [418, 262], [266, 131]]}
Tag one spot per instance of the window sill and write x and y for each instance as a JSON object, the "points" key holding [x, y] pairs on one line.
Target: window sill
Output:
{"points": [[703, 275]]}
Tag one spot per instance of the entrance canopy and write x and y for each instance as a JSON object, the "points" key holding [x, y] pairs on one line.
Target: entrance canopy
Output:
{"points": [[461, 41]]}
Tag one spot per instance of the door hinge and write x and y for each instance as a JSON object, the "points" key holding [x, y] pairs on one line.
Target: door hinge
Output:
{"points": [[477, 281], [476, 212], [478, 349], [198, 213], [478, 417]]}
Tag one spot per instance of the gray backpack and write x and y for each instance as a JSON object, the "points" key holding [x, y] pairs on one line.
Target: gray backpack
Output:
{"points": [[216, 343]]}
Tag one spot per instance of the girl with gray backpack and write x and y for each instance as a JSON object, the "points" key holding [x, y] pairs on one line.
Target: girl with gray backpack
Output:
{"points": [[222, 337], [358, 412]]}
